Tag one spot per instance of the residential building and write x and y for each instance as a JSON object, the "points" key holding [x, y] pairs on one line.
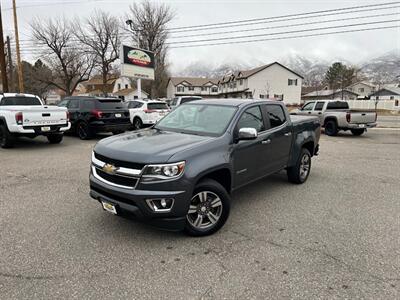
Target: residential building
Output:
{"points": [[190, 86], [54, 96], [272, 81], [387, 93], [130, 94], [362, 88], [95, 87], [331, 94]]}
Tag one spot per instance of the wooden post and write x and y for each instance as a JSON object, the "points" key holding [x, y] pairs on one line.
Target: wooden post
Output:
{"points": [[3, 58], [19, 66]]}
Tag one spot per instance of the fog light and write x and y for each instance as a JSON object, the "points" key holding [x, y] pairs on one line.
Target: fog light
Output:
{"points": [[161, 204]]}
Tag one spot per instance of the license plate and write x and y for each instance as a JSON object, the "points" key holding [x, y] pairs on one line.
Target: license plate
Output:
{"points": [[118, 115], [109, 207], [361, 125], [46, 128]]}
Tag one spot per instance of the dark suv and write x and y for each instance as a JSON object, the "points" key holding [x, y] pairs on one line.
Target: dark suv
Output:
{"points": [[90, 115]]}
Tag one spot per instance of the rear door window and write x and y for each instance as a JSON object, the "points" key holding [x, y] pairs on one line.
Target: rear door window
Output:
{"points": [[319, 106], [73, 104], [88, 105], [252, 118], [276, 115]]}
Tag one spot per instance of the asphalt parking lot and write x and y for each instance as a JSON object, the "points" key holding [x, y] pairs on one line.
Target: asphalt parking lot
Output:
{"points": [[336, 236]]}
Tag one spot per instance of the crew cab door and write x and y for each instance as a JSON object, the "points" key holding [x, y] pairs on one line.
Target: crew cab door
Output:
{"points": [[249, 155], [306, 109], [279, 136], [318, 108]]}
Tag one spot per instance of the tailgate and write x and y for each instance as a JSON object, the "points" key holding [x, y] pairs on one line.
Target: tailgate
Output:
{"points": [[362, 117], [40, 116]]}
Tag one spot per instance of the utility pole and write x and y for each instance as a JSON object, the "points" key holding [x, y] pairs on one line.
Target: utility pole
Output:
{"points": [[3, 58], [10, 65], [19, 66]]}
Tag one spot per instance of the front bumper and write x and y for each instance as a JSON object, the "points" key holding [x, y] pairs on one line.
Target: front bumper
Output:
{"points": [[132, 203]]}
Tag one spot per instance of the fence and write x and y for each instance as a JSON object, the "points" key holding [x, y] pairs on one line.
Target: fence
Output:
{"points": [[370, 104]]}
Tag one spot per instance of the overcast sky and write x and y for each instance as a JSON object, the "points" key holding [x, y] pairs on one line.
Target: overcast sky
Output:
{"points": [[352, 47]]}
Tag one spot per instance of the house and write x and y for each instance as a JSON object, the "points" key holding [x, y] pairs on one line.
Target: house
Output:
{"points": [[94, 86], [341, 94], [272, 81], [387, 93], [191, 86], [130, 94], [53, 96], [362, 88]]}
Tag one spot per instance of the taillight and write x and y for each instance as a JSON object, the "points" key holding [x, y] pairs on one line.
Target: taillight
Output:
{"points": [[97, 113], [348, 117], [149, 111], [19, 117]]}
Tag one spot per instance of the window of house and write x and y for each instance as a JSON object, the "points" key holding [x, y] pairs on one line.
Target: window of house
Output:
{"points": [[276, 115], [204, 88], [241, 82], [292, 81], [119, 86], [278, 97], [252, 118], [191, 88], [214, 89], [377, 98], [261, 96], [234, 84], [180, 89], [391, 97], [361, 90], [126, 86]]}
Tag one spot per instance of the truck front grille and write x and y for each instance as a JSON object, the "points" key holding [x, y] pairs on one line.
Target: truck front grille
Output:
{"points": [[125, 181]]}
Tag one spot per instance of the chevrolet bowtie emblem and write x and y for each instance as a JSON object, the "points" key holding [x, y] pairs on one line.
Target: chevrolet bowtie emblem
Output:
{"points": [[109, 169]]}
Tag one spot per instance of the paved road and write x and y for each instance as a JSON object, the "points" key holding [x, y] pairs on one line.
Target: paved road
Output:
{"points": [[337, 236]]}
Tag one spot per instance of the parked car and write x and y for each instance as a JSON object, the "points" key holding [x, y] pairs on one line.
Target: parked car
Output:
{"points": [[183, 99], [336, 115], [180, 173], [146, 112], [90, 115], [25, 115]]}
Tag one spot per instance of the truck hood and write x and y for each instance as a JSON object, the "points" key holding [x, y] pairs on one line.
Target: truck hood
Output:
{"points": [[147, 146]]}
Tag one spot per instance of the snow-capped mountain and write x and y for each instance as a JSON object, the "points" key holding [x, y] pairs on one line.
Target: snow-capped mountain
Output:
{"points": [[385, 67]]}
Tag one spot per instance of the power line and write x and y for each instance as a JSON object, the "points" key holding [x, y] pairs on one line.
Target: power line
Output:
{"points": [[288, 37], [240, 23], [290, 25], [284, 32]]}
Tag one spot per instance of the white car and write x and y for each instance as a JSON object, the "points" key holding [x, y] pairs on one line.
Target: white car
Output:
{"points": [[183, 99], [146, 112], [25, 115]]}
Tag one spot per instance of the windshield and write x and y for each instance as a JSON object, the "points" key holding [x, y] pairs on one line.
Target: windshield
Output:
{"points": [[20, 101], [202, 119], [157, 105]]}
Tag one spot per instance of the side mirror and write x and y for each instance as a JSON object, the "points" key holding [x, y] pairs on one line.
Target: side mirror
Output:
{"points": [[247, 133]]}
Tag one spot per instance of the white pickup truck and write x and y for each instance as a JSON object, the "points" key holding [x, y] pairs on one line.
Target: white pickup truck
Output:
{"points": [[25, 115], [335, 115]]}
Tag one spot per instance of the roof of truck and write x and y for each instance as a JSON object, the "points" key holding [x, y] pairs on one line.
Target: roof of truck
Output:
{"points": [[231, 101]]}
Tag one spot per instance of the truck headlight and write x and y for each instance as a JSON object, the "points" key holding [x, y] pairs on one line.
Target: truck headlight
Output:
{"points": [[163, 172]]}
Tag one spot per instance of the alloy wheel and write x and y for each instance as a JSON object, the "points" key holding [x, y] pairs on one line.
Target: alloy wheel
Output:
{"points": [[205, 210], [305, 164]]}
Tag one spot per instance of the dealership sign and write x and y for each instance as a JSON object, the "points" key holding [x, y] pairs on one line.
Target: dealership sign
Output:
{"points": [[137, 63]]}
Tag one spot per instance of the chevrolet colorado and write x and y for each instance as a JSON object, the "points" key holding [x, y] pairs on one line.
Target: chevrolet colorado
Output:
{"points": [[25, 115], [180, 173]]}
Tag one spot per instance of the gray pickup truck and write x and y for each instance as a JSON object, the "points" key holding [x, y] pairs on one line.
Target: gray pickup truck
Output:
{"points": [[335, 115], [180, 173]]}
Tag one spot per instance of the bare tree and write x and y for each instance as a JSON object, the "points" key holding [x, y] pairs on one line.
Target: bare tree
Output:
{"points": [[68, 63], [149, 24], [100, 35]]}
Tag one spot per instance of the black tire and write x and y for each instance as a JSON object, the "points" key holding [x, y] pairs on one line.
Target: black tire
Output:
{"points": [[83, 131], [295, 174], [357, 132], [221, 209], [6, 138], [137, 123], [331, 128], [55, 138]]}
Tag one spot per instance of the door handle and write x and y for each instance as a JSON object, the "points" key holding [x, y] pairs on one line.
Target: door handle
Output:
{"points": [[266, 142], [288, 134], [309, 112], [320, 113]]}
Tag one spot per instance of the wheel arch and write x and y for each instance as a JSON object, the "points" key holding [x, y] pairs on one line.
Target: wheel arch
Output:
{"points": [[222, 175]]}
